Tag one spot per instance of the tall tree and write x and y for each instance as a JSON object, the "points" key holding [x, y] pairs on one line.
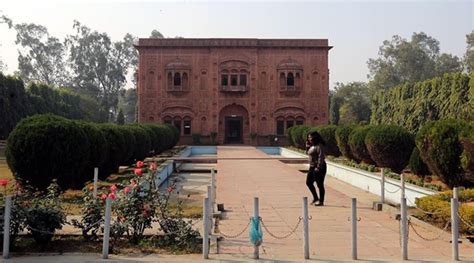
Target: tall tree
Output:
{"points": [[43, 57], [469, 56], [156, 34], [403, 61], [350, 103], [128, 102], [100, 66]]}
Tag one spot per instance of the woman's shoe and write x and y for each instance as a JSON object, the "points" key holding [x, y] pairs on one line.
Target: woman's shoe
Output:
{"points": [[319, 204], [314, 201]]}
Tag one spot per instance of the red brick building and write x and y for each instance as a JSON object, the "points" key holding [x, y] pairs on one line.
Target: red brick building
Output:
{"points": [[241, 89]]}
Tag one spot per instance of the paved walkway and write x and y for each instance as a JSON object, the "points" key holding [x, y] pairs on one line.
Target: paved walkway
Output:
{"points": [[280, 189]]}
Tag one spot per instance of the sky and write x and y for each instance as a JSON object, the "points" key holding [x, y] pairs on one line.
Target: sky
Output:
{"points": [[356, 29]]}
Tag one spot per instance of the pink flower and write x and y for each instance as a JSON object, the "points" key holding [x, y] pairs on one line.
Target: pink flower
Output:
{"points": [[152, 166], [145, 213], [139, 164], [138, 171], [169, 189], [4, 182], [126, 190], [112, 196], [113, 188], [104, 195]]}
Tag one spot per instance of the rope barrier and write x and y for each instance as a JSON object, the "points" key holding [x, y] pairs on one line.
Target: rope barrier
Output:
{"points": [[392, 192], [429, 239], [284, 236], [233, 236], [465, 221]]}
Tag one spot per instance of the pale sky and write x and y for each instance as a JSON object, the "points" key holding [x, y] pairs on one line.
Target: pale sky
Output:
{"points": [[356, 29]]}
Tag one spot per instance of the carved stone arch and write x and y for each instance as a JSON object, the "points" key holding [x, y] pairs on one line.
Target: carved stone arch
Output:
{"points": [[177, 111], [289, 64], [229, 113], [287, 112]]}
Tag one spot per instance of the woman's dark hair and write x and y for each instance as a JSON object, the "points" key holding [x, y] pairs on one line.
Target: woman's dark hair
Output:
{"points": [[317, 139]]}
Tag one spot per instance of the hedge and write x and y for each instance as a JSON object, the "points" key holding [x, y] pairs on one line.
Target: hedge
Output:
{"points": [[328, 134], [44, 147], [342, 139], [389, 146], [297, 135], [441, 149], [411, 105], [357, 144], [417, 165], [467, 157], [98, 151]]}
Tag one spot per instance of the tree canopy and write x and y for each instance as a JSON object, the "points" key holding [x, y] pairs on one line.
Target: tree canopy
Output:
{"points": [[402, 60]]}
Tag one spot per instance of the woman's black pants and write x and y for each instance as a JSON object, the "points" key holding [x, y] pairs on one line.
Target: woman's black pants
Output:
{"points": [[317, 177]]}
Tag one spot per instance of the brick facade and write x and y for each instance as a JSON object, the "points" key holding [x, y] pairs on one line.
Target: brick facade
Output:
{"points": [[238, 88]]}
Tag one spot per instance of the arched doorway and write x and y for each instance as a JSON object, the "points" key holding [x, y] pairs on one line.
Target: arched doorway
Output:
{"points": [[233, 124]]}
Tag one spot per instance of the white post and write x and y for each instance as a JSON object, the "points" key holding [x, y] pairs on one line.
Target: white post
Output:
{"points": [[6, 227], [205, 222], [255, 215], [404, 228], [382, 186], [454, 228], [213, 186], [305, 228], [209, 212], [402, 184], [96, 178], [354, 228], [105, 244], [456, 193]]}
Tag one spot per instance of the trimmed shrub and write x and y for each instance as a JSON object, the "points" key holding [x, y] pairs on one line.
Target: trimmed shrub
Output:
{"points": [[98, 153], [174, 132], [416, 164], [130, 145], [357, 144], [117, 148], [441, 149], [328, 134], [342, 140], [44, 147], [142, 142], [297, 135], [389, 146], [467, 156]]}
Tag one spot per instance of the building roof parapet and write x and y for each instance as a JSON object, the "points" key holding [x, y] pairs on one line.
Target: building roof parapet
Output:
{"points": [[233, 42]]}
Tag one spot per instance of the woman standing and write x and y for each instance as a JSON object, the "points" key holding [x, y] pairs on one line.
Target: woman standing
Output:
{"points": [[317, 167]]}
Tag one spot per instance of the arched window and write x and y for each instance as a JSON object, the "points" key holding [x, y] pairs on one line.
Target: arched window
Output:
{"points": [[187, 126], [177, 79], [185, 80], [299, 121], [167, 120], [290, 79], [282, 80], [290, 122], [177, 123], [170, 80], [280, 126]]}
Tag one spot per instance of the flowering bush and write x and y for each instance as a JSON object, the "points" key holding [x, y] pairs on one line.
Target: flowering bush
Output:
{"points": [[136, 205]]}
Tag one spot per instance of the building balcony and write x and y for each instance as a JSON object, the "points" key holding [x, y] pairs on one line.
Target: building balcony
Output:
{"points": [[290, 90], [234, 88], [177, 89]]}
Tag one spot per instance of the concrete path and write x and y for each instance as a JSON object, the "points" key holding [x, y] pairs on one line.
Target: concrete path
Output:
{"points": [[280, 189]]}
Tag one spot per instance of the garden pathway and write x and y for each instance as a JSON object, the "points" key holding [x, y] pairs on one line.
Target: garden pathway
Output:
{"points": [[280, 189]]}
